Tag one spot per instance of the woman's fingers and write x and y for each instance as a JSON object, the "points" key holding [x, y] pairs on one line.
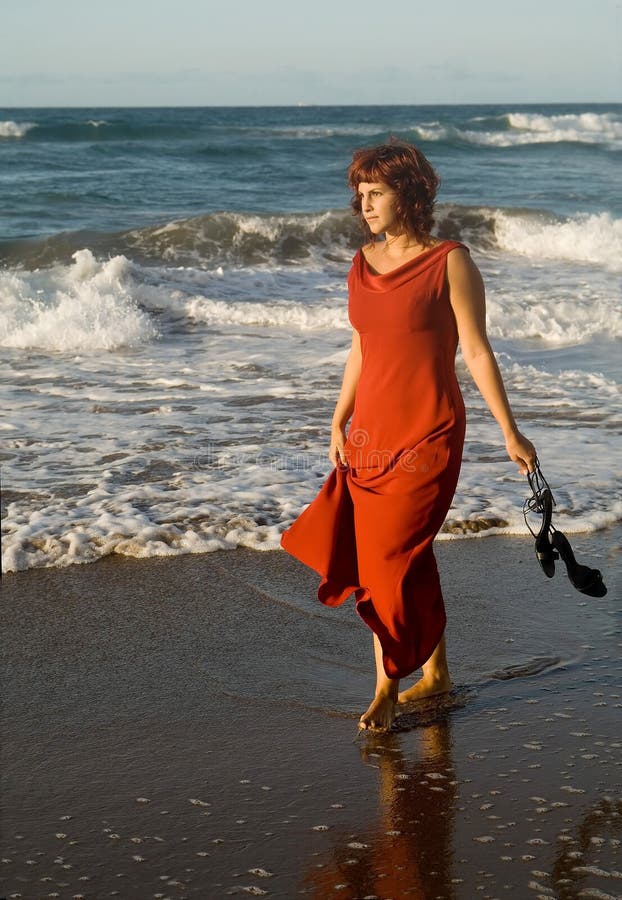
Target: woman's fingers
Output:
{"points": [[523, 467], [522, 452], [336, 453], [524, 463], [338, 458]]}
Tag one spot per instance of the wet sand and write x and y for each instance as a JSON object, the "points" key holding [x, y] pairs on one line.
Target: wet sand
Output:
{"points": [[186, 728]]}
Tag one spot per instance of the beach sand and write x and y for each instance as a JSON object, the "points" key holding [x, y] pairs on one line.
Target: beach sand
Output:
{"points": [[186, 727]]}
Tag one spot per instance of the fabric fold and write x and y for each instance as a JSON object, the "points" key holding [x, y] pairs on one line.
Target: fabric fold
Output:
{"points": [[370, 529]]}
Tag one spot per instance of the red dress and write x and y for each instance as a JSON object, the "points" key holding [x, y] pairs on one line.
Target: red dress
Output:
{"points": [[369, 530]]}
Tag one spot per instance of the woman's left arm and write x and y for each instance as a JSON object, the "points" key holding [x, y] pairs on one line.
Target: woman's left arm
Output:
{"points": [[468, 301]]}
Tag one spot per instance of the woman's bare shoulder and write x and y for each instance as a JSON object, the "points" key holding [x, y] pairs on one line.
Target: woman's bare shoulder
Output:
{"points": [[461, 269]]}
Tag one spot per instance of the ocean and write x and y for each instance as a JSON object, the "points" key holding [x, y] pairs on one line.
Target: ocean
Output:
{"points": [[173, 315]]}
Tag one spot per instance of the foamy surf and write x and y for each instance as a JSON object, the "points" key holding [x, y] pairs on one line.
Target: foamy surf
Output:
{"points": [[172, 356], [83, 307], [521, 129], [589, 127], [10, 129], [210, 393], [593, 239], [330, 236]]}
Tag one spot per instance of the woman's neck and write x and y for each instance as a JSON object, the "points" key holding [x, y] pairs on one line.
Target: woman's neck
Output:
{"points": [[401, 242]]}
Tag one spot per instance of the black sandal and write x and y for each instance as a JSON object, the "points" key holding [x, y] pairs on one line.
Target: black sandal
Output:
{"points": [[541, 502], [588, 581], [551, 543]]}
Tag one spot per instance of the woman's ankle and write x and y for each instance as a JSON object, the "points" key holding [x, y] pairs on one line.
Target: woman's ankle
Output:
{"points": [[388, 688], [436, 676]]}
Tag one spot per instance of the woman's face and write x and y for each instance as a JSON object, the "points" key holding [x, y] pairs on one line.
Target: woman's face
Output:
{"points": [[378, 207]]}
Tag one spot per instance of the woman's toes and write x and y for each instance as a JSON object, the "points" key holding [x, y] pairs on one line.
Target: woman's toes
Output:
{"points": [[380, 714]]}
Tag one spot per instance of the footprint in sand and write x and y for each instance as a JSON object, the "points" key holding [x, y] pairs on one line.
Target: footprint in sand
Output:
{"points": [[531, 667]]}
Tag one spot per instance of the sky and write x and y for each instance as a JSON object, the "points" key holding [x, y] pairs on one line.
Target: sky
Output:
{"points": [[281, 52]]}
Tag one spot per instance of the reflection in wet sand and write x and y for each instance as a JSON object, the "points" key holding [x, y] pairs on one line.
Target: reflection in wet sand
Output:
{"points": [[407, 851]]}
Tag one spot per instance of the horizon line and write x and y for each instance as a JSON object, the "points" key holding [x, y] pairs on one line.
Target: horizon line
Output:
{"points": [[302, 105]]}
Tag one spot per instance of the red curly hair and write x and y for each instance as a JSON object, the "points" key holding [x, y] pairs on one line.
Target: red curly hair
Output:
{"points": [[406, 170]]}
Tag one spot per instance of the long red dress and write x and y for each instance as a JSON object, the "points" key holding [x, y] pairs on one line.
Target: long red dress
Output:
{"points": [[369, 530]]}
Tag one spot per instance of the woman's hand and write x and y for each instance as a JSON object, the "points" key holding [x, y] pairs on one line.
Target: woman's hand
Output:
{"points": [[521, 451], [336, 452]]}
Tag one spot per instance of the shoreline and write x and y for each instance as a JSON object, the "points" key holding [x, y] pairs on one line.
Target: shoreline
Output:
{"points": [[453, 530], [186, 727]]}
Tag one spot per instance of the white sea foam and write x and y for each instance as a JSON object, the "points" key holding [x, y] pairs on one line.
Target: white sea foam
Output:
{"points": [[434, 131], [585, 238], [527, 300], [326, 241], [588, 126], [86, 306], [114, 303], [569, 315], [217, 457], [573, 417], [10, 129], [275, 314], [534, 128], [216, 435]]}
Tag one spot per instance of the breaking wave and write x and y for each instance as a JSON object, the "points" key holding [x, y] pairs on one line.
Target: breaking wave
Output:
{"points": [[9, 129], [239, 239], [517, 129], [85, 306]]}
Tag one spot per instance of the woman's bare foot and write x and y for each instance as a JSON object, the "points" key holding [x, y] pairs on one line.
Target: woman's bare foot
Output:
{"points": [[435, 679], [381, 710], [427, 686], [380, 714]]}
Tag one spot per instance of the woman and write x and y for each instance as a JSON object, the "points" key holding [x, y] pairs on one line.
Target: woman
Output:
{"points": [[412, 297]]}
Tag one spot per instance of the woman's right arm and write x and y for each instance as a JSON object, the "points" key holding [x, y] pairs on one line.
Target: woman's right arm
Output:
{"points": [[345, 403]]}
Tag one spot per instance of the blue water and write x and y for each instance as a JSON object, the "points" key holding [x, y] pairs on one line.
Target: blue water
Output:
{"points": [[174, 328], [113, 169]]}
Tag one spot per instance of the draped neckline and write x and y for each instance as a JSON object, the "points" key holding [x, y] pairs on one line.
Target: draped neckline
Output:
{"points": [[424, 253], [386, 282]]}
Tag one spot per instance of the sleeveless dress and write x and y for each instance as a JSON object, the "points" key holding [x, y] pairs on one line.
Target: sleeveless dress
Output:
{"points": [[369, 530]]}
